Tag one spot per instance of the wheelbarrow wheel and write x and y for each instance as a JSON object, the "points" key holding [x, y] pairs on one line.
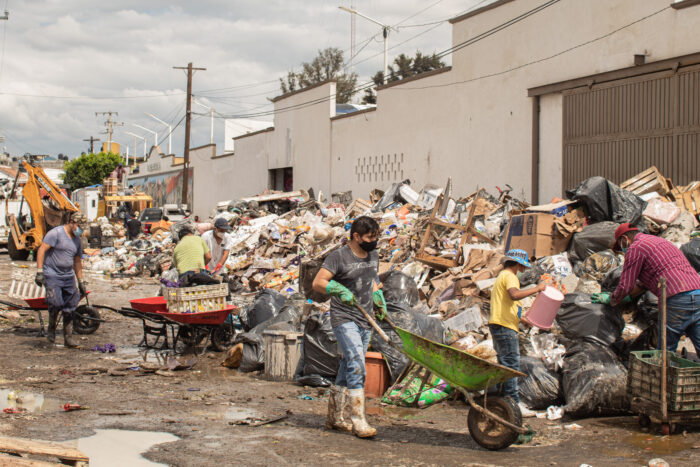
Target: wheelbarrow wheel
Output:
{"points": [[82, 324], [222, 337], [487, 432], [191, 336]]}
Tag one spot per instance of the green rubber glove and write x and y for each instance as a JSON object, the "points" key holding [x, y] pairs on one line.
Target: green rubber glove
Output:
{"points": [[380, 304], [602, 297], [338, 290]]}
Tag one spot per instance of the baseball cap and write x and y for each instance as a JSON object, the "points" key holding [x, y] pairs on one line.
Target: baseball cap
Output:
{"points": [[221, 223], [623, 229]]}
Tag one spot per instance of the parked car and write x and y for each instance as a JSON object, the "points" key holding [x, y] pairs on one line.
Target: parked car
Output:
{"points": [[169, 212]]}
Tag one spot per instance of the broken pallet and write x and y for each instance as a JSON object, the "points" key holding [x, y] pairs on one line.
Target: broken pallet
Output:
{"points": [[648, 181]]}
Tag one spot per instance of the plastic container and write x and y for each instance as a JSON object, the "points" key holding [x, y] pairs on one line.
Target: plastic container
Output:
{"points": [[282, 353], [377, 379], [545, 308], [682, 376]]}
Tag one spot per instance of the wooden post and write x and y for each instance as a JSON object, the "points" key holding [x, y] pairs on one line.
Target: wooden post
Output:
{"points": [[664, 355]]}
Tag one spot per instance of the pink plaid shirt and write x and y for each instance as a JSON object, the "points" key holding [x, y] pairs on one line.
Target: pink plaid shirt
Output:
{"points": [[648, 259]]}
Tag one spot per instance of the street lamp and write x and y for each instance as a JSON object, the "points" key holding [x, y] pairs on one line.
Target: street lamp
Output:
{"points": [[385, 31], [155, 133], [139, 137], [211, 113], [170, 131]]}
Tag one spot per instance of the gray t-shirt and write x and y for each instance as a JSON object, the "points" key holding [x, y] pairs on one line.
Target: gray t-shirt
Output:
{"points": [[58, 261], [358, 275]]}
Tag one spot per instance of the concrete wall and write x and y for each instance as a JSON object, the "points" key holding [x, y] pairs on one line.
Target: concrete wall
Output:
{"points": [[473, 122]]}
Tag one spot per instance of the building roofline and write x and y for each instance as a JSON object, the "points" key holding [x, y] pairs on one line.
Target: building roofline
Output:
{"points": [[478, 11], [203, 146], [352, 114], [253, 133], [425, 74], [308, 88]]}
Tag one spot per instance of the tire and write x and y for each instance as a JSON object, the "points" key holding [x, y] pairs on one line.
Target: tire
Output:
{"points": [[191, 336], [82, 325], [488, 433], [15, 254], [222, 337]]}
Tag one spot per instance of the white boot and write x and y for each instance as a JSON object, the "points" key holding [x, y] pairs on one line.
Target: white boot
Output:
{"points": [[360, 427], [336, 404], [525, 411]]}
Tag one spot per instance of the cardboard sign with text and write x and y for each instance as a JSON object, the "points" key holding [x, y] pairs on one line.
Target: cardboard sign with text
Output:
{"points": [[535, 233]]}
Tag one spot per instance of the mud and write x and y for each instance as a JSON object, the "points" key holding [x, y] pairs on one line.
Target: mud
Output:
{"points": [[202, 407]]}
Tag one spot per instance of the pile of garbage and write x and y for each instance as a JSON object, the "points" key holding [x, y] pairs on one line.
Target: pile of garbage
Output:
{"points": [[439, 258]]}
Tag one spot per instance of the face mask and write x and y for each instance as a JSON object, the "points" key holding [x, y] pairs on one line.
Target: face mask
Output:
{"points": [[624, 248], [78, 232], [368, 246]]}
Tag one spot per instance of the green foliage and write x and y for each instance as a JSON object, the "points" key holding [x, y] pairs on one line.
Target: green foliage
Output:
{"points": [[328, 64], [403, 67], [90, 169]]}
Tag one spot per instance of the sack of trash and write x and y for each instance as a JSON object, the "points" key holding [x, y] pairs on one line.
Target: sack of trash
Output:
{"points": [[400, 289], [597, 266], [412, 321], [579, 318], [594, 381], [541, 387], [593, 238], [604, 201], [691, 250], [321, 356], [267, 304]]}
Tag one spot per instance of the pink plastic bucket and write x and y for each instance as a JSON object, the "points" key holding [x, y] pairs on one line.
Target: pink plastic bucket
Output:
{"points": [[545, 308]]}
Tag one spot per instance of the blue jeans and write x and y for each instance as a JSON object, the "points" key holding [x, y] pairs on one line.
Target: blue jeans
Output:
{"points": [[682, 317], [352, 342], [505, 343]]}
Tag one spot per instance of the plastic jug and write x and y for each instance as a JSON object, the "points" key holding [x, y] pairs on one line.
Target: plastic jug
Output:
{"points": [[545, 308]]}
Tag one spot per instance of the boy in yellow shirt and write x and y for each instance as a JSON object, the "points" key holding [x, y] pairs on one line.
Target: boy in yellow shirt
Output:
{"points": [[505, 318]]}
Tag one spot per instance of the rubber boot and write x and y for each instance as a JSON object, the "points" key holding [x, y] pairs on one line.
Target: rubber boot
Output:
{"points": [[68, 331], [53, 321], [336, 405], [360, 427]]}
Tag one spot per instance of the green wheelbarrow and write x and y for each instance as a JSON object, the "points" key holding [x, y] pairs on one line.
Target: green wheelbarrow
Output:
{"points": [[494, 422]]}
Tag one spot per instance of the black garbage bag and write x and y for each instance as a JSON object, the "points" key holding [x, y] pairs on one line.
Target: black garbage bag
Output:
{"points": [[541, 387], [400, 289], [531, 275], [391, 196], [267, 304], [691, 250], [321, 355], [597, 265], [411, 320], [593, 238], [579, 318], [253, 341], [604, 201], [594, 381], [611, 279]]}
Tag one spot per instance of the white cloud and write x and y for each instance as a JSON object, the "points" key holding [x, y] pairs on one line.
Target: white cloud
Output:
{"points": [[83, 48]]}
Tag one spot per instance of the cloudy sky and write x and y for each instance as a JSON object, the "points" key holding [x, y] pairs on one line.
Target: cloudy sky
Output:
{"points": [[63, 60]]}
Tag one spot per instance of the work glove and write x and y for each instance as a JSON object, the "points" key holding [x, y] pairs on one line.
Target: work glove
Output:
{"points": [[338, 290], [39, 278], [602, 298], [380, 304], [81, 287], [217, 269]]}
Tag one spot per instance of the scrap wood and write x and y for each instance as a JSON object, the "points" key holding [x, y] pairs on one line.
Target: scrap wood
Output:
{"points": [[648, 181], [254, 422], [22, 446]]}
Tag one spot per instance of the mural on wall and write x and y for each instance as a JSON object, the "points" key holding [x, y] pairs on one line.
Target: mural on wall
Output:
{"points": [[164, 188]]}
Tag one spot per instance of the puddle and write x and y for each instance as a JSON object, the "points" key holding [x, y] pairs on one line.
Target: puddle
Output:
{"points": [[31, 401], [116, 448], [131, 354], [661, 445]]}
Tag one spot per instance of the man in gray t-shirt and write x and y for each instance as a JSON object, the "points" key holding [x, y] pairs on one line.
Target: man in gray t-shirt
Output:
{"points": [[58, 265], [349, 276]]}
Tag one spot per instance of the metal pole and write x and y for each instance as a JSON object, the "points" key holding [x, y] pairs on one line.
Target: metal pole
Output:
{"points": [[664, 355], [386, 49], [211, 131]]}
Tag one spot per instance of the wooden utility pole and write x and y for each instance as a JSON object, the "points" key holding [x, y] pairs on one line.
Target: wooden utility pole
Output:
{"points": [[92, 140], [110, 124], [188, 115]]}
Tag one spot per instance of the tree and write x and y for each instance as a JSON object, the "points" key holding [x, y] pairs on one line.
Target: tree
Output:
{"points": [[328, 64], [403, 67], [90, 169]]}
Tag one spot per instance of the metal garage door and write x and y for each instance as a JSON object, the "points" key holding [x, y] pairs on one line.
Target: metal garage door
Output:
{"points": [[620, 128]]}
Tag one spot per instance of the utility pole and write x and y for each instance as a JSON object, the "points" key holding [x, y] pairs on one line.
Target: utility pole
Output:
{"points": [[110, 124], [188, 117], [92, 140]]}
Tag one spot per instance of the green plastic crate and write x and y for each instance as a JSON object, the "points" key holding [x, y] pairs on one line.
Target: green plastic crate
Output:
{"points": [[682, 379]]}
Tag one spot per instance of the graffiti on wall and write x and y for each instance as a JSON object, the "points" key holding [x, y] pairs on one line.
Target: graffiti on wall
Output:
{"points": [[164, 188]]}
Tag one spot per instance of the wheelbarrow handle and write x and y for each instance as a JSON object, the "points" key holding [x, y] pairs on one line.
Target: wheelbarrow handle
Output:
{"points": [[376, 327]]}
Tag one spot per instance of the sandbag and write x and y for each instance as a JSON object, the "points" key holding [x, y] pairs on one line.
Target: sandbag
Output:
{"points": [[541, 387], [267, 304], [691, 250], [321, 354], [594, 381], [410, 320], [254, 342], [400, 289], [604, 201], [579, 318], [593, 238]]}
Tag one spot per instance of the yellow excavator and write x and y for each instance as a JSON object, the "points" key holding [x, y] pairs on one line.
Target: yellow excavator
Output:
{"points": [[47, 210]]}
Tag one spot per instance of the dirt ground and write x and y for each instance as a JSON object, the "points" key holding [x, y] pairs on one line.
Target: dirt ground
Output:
{"points": [[202, 405]]}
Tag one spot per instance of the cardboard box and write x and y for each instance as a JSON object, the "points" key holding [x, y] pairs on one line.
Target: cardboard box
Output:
{"points": [[535, 233]]}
